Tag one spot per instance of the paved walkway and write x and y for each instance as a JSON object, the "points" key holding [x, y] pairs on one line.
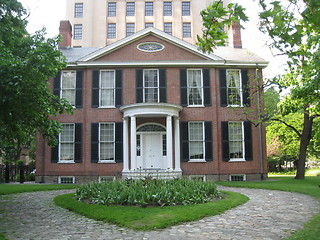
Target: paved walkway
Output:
{"points": [[268, 215]]}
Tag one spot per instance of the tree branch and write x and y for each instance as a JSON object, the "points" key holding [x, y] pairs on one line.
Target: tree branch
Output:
{"points": [[288, 125]]}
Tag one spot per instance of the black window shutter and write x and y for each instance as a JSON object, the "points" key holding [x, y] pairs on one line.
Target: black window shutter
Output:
{"points": [[118, 88], [183, 88], [118, 142], [245, 88], [94, 142], [248, 140], [225, 141], [206, 87], [139, 85], [223, 88], [79, 89], [55, 152], [184, 133], [95, 88], [78, 143], [162, 85], [57, 84], [208, 140]]}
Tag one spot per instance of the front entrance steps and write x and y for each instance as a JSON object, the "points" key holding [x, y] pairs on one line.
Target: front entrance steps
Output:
{"points": [[151, 173]]}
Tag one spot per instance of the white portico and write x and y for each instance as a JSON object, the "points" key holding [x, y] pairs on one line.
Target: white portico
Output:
{"points": [[151, 147]]}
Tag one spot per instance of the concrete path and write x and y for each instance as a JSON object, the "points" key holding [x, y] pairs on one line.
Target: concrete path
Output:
{"points": [[267, 215]]}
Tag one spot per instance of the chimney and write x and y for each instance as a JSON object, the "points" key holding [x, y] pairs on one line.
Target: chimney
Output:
{"points": [[65, 31], [236, 33]]}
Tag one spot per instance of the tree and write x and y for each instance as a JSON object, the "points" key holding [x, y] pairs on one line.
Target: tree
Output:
{"points": [[26, 63], [294, 30]]}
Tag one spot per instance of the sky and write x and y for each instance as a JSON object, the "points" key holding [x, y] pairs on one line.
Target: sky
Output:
{"points": [[48, 13]]}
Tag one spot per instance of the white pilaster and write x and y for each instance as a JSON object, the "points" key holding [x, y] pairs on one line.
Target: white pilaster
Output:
{"points": [[177, 144], [125, 145], [169, 143], [133, 142]]}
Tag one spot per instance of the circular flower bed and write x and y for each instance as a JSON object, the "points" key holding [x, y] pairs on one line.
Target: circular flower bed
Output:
{"points": [[148, 192]]}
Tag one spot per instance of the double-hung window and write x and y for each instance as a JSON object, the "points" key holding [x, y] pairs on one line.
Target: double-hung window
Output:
{"points": [[106, 142], [148, 8], [167, 8], [196, 141], [185, 8], [167, 28], [130, 8], [107, 88], [236, 141], [186, 30], [78, 10], [66, 143], [68, 86], [112, 9], [234, 87], [195, 87], [151, 85], [77, 31], [111, 30], [129, 29]]}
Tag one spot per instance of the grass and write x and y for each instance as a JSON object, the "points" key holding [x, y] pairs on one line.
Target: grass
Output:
{"points": [[2, 236], [309, 186], [150, 217], [19, 188]]}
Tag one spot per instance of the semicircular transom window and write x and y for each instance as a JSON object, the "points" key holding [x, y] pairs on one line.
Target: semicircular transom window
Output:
{"points": [[150, 47], [151, 128]]}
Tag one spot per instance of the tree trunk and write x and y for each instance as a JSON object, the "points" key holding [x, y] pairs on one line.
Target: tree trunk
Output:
{"points": [[304, 142]]}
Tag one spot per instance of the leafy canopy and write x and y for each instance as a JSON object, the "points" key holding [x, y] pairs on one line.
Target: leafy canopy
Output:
{"points": [[26, 63]]}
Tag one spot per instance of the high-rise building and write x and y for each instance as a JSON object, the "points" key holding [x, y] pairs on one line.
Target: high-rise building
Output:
{"points": [[97, 23]]}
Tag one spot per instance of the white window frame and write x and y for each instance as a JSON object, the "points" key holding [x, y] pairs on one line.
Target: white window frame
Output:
{"points": [[203, 141], [188, 88], [62, 89], [61, 177], [240, 88], [144, 87], [73, 141], [107, 88], [113, 141], [186, 26], [243, 143], [106, 179]]}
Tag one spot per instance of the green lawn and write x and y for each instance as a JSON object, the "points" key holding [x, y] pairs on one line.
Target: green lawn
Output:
{"points": [[19, 188], [150, 217], [309, 186]]}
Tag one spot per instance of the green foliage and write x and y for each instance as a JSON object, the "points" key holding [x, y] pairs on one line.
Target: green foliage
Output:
{"points": [[215, 19], [150, 218], [148, 192], [19, 188], [26, 63]]}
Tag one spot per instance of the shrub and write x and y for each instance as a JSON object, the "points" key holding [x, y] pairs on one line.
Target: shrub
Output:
{"points": [[148, 192]]}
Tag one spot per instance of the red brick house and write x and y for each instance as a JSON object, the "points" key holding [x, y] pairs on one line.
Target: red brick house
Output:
{"points": [[154, 104]]}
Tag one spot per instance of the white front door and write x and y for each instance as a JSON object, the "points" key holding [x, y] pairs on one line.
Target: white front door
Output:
{"points": [[152, 150]]}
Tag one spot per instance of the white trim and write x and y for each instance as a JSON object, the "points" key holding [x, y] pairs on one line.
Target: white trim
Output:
{"points": [[150, 51], [148, 31], [243, 144], [144, 87], [112, 178], [203, 142], [240, 87], [74, 89], [114, 88], [59, 145], [114, 150], [188, 88], [151, 109]]}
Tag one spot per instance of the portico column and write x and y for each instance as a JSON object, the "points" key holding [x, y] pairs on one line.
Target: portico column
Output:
{"points": [[177, 144], [133, 142], [169, 143], [125, 145]]}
